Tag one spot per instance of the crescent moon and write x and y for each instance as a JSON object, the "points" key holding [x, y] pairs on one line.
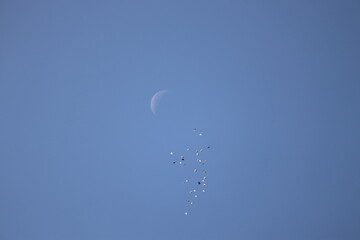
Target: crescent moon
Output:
{"points": [[155, 100]]}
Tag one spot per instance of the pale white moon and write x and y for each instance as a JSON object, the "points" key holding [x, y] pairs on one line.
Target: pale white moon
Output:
{"points": [[155, 100]]}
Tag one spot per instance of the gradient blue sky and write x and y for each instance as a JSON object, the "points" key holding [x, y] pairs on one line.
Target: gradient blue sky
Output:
{"points": [[274, 85]]}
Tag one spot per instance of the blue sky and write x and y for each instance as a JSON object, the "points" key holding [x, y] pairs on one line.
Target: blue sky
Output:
{"points": [[273, 85]]}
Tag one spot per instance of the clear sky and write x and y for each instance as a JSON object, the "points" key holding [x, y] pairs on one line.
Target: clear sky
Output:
{"points": [[273, 85]]}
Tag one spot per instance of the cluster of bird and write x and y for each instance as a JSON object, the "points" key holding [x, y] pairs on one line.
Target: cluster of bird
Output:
{"points": [[196, 184]]}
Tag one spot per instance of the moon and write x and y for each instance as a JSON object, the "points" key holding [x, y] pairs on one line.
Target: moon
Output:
{"points": [[155, 100]]}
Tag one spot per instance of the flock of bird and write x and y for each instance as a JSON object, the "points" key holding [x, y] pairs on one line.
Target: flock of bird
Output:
{"points": [[196, 184]]}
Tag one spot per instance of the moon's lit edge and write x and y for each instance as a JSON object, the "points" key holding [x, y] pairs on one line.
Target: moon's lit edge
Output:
{"points": [[155, 98]]}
